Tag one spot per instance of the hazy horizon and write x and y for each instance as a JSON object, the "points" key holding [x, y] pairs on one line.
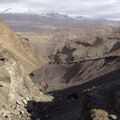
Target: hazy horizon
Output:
{"points": [[89, 8]]}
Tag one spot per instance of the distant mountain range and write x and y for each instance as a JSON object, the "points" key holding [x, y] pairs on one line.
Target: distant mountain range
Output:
{"points": [[28, 14], [29, 21]]}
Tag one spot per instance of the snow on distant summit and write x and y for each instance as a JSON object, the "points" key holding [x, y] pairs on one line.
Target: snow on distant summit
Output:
{"points": [[46, 14], [16, 11]]}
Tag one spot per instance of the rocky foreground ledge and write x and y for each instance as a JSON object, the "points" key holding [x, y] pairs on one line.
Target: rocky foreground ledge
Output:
{"points": [[21, 89]]}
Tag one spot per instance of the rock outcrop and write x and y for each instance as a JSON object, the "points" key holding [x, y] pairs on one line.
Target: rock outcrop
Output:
{"points": [[21, 88]]}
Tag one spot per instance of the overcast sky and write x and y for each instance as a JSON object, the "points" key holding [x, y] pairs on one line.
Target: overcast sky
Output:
{"points": [[99, 8]]}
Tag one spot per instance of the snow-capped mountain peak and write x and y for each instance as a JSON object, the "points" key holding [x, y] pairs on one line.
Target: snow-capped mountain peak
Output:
{"points": [[14, 11]]}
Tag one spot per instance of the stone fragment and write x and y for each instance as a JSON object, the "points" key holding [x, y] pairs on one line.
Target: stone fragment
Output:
{"points": [[6, 114], [113, 117]]}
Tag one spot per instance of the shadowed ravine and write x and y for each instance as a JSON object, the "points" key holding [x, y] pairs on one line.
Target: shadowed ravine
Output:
{"points": [[68, 101]]}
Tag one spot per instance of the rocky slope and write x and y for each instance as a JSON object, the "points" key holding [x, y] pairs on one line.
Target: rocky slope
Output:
{"points": [[19, 46], [16, 89]]}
